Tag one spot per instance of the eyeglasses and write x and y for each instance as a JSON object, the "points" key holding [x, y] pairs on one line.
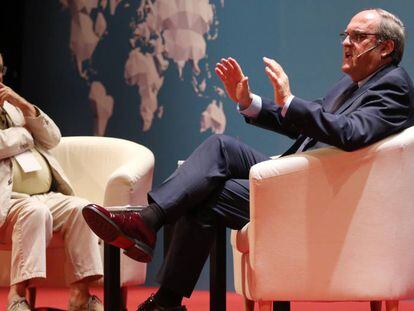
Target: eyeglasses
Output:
{"points": [[355, 36], [3, 69]]}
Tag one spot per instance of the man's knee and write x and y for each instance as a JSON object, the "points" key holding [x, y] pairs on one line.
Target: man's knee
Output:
{"points": [[36, 219], [221, 142], [36, 213], [220, 138]]}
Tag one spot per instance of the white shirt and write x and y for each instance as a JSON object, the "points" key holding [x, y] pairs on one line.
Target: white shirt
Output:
{"points": [[256, 106]]}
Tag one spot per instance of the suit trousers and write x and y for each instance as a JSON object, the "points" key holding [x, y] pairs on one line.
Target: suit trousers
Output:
{"points": [[29, 227], [212, 185]]}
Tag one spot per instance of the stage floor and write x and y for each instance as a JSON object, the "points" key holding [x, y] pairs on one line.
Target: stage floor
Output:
{"points": [[57, 298]]}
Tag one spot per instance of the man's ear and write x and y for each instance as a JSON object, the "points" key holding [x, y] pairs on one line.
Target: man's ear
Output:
{"points": [[387, 48]]}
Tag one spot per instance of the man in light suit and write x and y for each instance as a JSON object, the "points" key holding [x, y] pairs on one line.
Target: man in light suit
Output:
{"points": [[36, 200], [374, 100]]}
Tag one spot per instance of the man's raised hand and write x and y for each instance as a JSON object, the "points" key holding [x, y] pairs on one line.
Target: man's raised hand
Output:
{"points": [[234, 81], [279, 80]]}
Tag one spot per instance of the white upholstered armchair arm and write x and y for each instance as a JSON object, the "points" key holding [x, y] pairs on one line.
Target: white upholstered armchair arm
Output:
{"points": [[131, 182], [107, 171]]}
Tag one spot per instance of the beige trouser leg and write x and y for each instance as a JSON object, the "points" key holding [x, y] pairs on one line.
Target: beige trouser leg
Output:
{"points": [[32, 233], [29, 228]]}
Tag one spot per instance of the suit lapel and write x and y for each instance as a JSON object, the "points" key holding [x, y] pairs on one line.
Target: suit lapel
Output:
{"points": [[335, 95], [348, 103]]}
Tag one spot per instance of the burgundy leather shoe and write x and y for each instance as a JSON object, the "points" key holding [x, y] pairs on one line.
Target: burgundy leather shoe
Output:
{"points": [[124, 229], [151, 305]]}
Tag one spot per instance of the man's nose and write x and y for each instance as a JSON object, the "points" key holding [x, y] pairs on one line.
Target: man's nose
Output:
{"points": [[346, 41]]}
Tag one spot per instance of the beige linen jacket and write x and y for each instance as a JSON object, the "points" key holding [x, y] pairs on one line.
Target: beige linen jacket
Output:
{"points": [[24, 134]]}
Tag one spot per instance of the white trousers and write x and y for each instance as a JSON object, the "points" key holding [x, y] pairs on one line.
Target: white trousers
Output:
{"points": [[29, 227]]}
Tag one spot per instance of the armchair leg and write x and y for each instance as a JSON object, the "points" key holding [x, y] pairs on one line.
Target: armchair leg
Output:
{"points": [[375, 305], [391, 305], [265, 306], [32, 297], [248, 304], [281, 305], [124, 298]]}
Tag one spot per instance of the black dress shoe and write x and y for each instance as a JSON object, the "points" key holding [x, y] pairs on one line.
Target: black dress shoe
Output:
{"points": [[151, 305]]}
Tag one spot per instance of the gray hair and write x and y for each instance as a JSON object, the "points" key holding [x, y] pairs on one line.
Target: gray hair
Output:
{"points": [[392, 28]]}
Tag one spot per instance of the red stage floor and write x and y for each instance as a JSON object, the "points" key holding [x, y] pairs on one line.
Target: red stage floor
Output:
{"points": [[199, 301]]}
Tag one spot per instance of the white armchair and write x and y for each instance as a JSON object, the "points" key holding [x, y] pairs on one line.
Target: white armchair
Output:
{"points": [[106, 171], [329, 225]]}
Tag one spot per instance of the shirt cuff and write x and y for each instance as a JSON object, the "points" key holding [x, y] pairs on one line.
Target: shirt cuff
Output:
{"points": [[287, 104], [254, 109]]}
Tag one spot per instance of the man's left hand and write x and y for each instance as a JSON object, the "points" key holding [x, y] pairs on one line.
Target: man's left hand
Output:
{"points": [[279, 80]]}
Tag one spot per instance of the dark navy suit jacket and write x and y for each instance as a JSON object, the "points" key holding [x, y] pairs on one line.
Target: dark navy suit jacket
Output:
{"points": [[384, 105]]}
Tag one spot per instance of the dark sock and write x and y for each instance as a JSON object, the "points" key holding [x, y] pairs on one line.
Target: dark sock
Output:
{"points": [[154, 216], [166, 298]]}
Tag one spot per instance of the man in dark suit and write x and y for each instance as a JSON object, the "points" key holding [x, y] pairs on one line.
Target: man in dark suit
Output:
{"points": [[374, 100]]}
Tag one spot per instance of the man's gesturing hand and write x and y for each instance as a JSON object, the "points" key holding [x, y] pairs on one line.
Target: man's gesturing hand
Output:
{"points": [[279, 80], [7, 94], [235, 82]]}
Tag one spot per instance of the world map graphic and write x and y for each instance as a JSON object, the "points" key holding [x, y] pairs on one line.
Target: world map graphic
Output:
{"points": [[163, 33]]}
